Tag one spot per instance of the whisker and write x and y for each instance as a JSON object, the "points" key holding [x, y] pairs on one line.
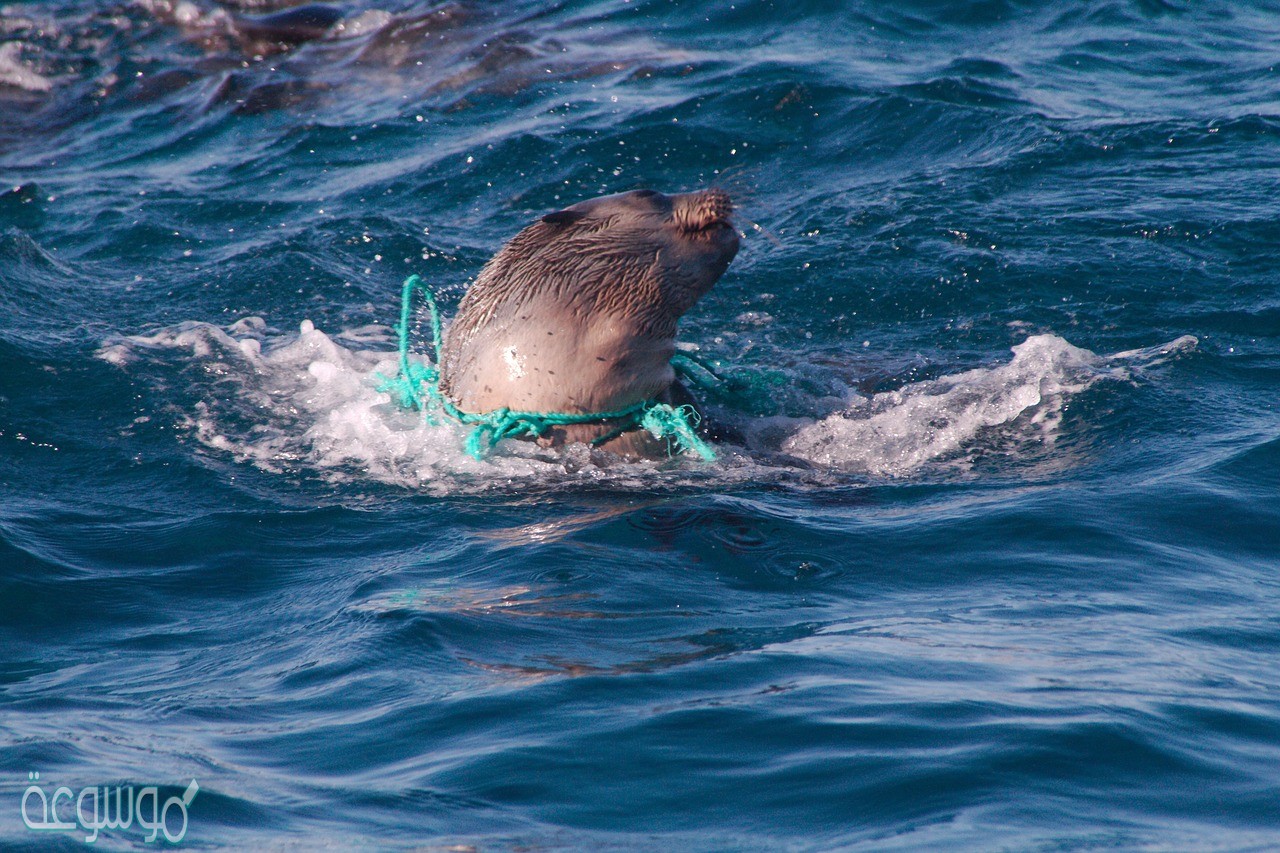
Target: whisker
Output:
{"points": [[768, 235]]}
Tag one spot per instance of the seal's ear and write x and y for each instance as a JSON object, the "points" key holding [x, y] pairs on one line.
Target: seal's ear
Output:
{"points": [[564, 217]]}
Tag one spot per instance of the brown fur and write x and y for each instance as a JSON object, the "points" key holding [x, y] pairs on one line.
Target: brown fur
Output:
{"points": [[578, 312]]}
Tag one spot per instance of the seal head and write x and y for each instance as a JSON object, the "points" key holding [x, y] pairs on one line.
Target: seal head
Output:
{"points": [[577, 313]]}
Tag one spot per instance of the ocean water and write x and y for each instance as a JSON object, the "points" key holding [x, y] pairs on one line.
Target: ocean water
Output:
{"points": [[998, 567]]}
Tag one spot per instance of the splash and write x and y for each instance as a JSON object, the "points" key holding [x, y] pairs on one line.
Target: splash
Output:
{"points": [[896, 433], [309, 403]]}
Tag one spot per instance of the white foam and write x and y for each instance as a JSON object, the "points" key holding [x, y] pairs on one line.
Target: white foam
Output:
{"points": [[306, 403], [15, 72], [896, 433]]}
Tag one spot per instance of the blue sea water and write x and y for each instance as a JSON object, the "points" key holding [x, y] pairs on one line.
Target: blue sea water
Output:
{"points": [[999, 567]]}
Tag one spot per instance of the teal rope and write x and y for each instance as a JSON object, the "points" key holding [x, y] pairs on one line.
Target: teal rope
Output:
{"points": [[684, 363], [412, 377], [417, 386], [678, 424]]}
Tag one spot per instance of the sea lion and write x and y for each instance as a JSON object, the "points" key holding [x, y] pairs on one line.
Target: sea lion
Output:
{"points": [[577, 313]]}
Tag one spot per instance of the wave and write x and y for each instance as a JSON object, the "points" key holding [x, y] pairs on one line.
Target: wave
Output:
{"points": [[895, 433], [310, 403]]}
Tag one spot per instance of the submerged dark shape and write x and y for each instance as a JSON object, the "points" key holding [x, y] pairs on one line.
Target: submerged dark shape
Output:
{"points": [[578, 312], [291, 27], [439, 56]]}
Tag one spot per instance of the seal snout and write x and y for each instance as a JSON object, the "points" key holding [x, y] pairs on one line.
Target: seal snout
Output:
{"points": [[699, 211]]}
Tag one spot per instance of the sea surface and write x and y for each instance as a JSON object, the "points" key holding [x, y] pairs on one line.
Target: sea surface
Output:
{"points": [[997, 567]]}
